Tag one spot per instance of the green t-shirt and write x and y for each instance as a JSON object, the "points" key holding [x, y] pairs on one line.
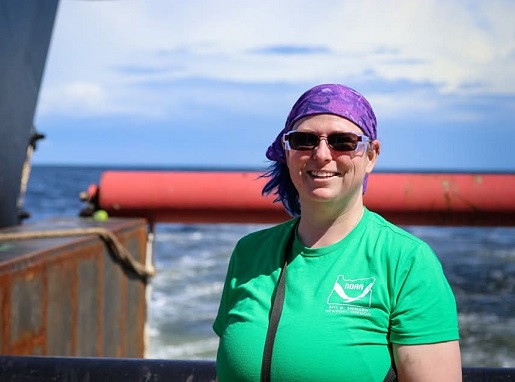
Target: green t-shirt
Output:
{"points": [[344, 304]]}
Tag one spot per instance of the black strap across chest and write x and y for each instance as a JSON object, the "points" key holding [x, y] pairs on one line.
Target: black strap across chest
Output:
{"points": [[275, 316]]}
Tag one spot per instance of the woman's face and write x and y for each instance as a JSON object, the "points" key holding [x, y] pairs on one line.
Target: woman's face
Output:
{"points": [[324, 175]]}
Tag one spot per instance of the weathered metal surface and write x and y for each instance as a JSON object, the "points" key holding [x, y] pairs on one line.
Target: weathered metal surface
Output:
{"points": [[218, 197], [63, 369], [68, 296]]}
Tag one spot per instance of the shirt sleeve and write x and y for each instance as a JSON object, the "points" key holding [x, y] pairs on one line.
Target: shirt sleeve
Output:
{"points": [[220, 322], [424, 310]]}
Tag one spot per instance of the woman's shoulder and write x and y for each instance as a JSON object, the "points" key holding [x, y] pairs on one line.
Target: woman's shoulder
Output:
{"points": [[386, 227], [274, 234], [400, 248], [393, 236], [261, 251]]}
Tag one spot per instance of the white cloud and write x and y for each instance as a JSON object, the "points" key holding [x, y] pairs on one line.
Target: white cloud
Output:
{"points": [[107, 47], [79, 98]]}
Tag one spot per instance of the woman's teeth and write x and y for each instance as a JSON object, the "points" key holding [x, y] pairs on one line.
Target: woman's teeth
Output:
{"points": [[322, 174]]}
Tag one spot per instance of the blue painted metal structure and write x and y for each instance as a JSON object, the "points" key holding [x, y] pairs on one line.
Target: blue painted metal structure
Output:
{"points": [[25, 32], [63, 369]]}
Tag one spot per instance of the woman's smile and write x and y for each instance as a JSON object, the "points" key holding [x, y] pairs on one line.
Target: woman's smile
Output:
{"points": [[323, 174]]}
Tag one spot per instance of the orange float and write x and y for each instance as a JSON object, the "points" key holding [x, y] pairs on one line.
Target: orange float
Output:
{"points": [[235, 197]]}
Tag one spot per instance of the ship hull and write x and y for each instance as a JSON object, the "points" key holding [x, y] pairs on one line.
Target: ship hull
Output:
{"points": [[25, 33]]}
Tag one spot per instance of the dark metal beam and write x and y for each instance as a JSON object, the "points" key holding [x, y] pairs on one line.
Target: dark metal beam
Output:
{"points": [[66, 369]]}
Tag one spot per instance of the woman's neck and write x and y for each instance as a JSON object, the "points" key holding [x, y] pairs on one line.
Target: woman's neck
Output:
{"points": [[318, 229]]}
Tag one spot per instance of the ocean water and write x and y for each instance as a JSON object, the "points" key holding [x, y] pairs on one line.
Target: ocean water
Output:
{"points": [[191, 260]]}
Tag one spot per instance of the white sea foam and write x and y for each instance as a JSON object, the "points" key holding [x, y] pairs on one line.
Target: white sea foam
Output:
{"points": [[202, 349]]}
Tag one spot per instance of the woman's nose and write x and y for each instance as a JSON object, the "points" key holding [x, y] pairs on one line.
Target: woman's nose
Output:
{"points": [[322, 151]]}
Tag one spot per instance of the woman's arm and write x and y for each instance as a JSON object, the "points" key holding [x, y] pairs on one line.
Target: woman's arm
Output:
{"points": [[432, 362]]}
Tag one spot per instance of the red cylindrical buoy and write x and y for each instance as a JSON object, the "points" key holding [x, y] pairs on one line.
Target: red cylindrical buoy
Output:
{"points": [[189, 197], [235, 197]]}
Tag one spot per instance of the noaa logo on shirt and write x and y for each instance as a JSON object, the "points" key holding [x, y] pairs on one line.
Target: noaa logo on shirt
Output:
{"points": [[352, 291]]}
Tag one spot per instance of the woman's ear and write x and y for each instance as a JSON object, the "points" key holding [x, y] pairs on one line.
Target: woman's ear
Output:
{"points": [[373, 150], [372, 153]]}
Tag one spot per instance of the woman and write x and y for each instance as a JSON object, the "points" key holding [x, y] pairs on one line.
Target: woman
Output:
{"points": [[361, 295]]}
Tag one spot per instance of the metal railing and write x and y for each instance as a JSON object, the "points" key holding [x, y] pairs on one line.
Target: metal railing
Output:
{"points": [[72, 369]]}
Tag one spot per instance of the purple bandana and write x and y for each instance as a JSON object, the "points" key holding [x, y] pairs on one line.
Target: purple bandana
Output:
{"points": [[327, 99]]}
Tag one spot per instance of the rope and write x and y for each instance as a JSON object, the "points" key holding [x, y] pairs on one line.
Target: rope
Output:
{"points": [[119, 251], [25, 174]]}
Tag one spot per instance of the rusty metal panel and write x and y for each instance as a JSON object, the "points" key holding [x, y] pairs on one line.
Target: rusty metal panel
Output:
{"points": [[62, 287], [112, 309], [27, 311], [133, 319], [88, 321], [135, 298], [2, 314], [69, 296]]}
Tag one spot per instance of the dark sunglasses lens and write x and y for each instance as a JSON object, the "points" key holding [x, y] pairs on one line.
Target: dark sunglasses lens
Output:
{"points": [[343, 141], [303, 141]]}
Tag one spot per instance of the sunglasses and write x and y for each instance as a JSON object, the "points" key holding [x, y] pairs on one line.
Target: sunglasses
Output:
{"points": [[344, 142]]}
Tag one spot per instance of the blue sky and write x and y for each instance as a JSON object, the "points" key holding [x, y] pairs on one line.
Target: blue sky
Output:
{"points": [[209, 84]]}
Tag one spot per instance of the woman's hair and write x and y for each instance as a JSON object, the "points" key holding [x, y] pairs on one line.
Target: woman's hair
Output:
{"points": [[281, 185]]}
